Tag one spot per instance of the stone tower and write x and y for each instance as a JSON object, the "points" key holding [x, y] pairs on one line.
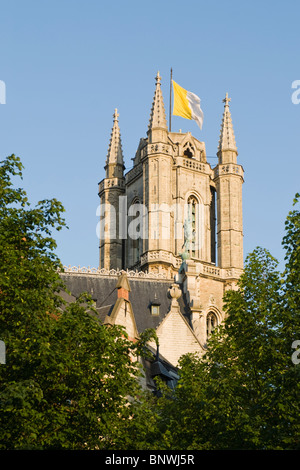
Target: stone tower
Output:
{"points": [[228, 177], [172, 210], [110, 191], [175, 217]]}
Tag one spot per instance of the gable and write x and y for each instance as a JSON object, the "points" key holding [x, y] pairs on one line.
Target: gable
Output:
{"points": [[122, 315], [188, 146], [176, 338]]}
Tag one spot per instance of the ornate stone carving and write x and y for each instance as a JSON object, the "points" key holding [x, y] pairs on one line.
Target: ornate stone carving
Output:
{"points": [[112, 272], [174, 291]]}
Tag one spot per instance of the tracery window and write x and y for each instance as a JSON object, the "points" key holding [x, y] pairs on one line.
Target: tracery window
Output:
{"points": [[135, 232], [211, 323], [188, 150], [193, 221]]}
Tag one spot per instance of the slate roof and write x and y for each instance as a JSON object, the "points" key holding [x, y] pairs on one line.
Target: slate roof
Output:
{"points": [[103, 290]]}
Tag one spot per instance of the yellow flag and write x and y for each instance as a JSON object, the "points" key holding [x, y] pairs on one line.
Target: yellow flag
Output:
{"points": [[187, 104]]}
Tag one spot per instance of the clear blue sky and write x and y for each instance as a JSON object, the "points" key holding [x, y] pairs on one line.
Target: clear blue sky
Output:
{"points": [[68, 64]]}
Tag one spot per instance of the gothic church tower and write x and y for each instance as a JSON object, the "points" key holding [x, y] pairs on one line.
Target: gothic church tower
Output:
{"points": [[174, 215], [173, 202]]}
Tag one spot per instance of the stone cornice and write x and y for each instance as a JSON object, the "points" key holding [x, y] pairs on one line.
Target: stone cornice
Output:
{"points": [[111, 183], [228, 169]]}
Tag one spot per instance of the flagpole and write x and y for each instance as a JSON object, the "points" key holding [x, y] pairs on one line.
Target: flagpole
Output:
{"points": [[170, 100]]}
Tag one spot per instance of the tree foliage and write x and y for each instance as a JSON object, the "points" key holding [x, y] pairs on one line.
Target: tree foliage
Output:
{"points": [[244, 393], [68, 382], [72, 383]]}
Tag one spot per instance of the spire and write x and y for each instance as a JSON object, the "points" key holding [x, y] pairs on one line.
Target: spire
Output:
{"points": [[158, 114], [115, 153], [227, 139]]}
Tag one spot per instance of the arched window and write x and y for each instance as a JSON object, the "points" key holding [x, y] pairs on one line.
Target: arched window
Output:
{"points": [[135, 231], [188, 150], [211, 323], [136, 250], [213, 225], [193, 208]]}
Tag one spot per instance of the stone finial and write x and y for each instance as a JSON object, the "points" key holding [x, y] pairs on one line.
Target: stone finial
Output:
{"points": [[175, 293], [226, 100], [116, 115], [227, 138], [115, 152], [158, 114]]}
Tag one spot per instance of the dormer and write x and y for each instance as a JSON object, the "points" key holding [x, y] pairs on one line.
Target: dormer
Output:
{"points": [[154, 305]]}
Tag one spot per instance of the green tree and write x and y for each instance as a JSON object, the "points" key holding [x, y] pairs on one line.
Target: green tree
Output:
{"points": [[288, 377], [244, 393], [68, 382]]}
